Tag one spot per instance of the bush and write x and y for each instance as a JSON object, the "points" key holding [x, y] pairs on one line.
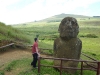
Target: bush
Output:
{"points": [[91, 36]]}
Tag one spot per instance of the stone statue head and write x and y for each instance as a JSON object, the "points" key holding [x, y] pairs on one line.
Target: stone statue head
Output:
{"points": [[68, 28]]}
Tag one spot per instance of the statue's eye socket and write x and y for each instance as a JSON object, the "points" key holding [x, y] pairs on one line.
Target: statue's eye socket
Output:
{"points": [[66, 22], [72, 22]]}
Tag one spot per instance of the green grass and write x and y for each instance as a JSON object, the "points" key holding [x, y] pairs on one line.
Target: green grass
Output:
{"points": [[43, 30], [9, 33], [1, 72], [23, 67], [48, 31]]}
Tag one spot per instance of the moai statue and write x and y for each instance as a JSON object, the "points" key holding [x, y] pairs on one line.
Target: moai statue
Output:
{"points": [[68, 45]]}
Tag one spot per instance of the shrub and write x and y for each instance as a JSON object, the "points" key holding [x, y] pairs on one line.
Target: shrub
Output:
{"points": [[91, 36]]}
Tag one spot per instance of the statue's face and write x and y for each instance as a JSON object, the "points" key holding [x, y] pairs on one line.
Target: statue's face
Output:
{"points": [[68, 27]]}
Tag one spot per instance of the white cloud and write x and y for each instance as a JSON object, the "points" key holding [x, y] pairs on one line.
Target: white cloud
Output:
{"points": [[40, 9], [5, 3]]}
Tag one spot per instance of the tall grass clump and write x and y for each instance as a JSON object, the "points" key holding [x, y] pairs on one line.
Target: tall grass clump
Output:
{"points": [[1, 72], [10, 66]]}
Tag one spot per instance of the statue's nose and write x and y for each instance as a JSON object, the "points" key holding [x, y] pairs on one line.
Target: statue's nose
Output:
{"points": [[69, 24]]}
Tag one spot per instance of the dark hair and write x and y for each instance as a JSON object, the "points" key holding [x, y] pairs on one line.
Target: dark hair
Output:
{"points": [[35, 39]]}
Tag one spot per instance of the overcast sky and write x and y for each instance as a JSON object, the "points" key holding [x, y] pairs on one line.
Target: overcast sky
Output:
{"points": [[20, 11]]}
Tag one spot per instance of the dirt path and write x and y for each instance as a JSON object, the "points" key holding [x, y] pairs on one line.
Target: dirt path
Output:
{"points": [[14, 54]]}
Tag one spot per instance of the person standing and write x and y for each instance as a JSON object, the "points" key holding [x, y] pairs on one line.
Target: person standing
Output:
{"points": [[35, 53]]}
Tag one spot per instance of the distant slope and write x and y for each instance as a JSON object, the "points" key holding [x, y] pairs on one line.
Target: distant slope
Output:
{"points": [[8, 33], [59, 17], [56, 18], [70, 15]]}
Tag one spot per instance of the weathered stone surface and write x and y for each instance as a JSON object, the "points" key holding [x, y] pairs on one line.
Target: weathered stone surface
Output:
{"points": [[68, 28], [68, 45]]}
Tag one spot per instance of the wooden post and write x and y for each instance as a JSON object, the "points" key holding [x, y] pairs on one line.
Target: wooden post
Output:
{"points": [[61, 67], [98, 69], [81, 68]]}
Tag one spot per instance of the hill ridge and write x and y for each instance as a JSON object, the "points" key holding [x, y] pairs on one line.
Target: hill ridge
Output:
{"points": [[59, 17]]}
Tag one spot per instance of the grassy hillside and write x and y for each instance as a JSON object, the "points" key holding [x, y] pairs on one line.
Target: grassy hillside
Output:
{"points": [[22, 67], [59, 17], [48, 31], [8, 33], [72, 15]]}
